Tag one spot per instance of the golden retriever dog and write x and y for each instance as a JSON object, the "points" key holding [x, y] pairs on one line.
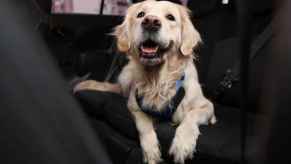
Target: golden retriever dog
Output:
{"points": [[158, 38]]}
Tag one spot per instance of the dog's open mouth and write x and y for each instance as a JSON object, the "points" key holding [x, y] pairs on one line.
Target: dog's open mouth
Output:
{"points": [[150, 53]]}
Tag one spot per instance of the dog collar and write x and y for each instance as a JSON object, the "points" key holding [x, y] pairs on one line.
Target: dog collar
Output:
{"points": [[167, 112]]}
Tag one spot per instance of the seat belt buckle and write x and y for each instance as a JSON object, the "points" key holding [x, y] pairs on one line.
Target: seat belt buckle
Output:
{"points": [[227, 82], [229, 79]]}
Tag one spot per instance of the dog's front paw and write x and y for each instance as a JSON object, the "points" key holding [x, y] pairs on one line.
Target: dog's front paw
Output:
{"points": [[151, 151], [184, 144], [152, 156]]}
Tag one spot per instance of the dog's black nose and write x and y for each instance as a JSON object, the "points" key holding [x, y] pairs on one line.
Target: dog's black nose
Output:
{"points": [[151, 23]]}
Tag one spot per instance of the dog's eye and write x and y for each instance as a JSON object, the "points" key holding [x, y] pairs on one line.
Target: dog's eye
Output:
{"points": [[170, 17], [141, 14]]}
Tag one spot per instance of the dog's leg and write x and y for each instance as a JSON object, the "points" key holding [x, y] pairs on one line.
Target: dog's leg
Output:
{"points": [[97, 86], [184, 142], [147, 135], [148, 138]]}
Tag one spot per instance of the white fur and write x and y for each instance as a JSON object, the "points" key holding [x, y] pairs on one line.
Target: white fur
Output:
{"points": [[159, 87]]}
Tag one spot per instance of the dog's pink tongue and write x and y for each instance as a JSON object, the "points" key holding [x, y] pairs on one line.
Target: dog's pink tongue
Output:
{"points": [[149, 50]]}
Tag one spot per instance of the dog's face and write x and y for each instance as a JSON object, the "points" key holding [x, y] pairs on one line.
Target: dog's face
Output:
{"points": [[151, 29]]}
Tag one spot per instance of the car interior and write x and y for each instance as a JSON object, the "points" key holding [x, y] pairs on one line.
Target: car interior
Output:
{"points": [[239, 85]]}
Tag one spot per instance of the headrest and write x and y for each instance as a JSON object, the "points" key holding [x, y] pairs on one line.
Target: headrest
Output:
{"points": [[201, 7]]}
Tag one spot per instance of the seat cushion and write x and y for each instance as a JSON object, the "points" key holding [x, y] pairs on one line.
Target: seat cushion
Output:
{"points": [[221, 141]]}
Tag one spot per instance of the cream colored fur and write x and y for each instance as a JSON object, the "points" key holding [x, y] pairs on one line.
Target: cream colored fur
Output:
{"points": [[158, 85]]}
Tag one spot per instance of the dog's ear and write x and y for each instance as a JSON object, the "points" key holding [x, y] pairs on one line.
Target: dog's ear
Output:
{"points": [[121, 34], [122, 31], [190, 36]]}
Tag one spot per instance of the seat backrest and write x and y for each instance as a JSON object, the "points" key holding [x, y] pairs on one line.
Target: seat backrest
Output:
{"points": [[217, 24]]}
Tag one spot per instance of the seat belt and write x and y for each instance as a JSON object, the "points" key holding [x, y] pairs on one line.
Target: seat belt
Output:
{"points": [[232, 75], [101, 7]]}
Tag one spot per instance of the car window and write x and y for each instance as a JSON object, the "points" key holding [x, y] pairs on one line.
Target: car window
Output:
{"points": [[110, 7], [106, 7]]}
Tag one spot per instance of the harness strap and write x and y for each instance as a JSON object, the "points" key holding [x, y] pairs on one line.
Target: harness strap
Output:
{"points": [[167, 112]]}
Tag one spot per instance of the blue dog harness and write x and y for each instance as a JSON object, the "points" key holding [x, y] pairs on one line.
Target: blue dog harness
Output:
{"points": [[169, 109]]}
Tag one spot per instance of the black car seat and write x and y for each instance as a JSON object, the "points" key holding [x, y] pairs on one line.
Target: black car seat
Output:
{"points": [[217, 24]]}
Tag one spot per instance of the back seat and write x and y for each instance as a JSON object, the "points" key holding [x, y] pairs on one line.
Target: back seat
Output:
{"points": [[219, 29], [217, 23]]}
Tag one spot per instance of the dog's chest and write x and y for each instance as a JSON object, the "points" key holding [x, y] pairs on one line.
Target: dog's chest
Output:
{"points": [[156, 95]]}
